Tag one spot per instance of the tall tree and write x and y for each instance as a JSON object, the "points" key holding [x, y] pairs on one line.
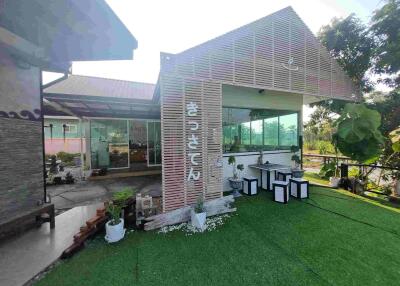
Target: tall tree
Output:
{"points": [[386, 28], [351, 44]]}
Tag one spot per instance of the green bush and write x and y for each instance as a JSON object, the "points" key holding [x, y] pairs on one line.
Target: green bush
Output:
{"points": [[328, 170], [67, 158], [325, 147]]}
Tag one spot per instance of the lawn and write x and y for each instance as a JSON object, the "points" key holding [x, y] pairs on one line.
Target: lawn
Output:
{"points": [[330, 239]]}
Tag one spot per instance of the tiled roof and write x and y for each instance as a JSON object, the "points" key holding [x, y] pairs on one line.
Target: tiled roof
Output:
{"points": [[104, 87]]}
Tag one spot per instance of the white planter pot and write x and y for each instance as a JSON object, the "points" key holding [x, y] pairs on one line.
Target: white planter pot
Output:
{"points": [[116, 232], [198, 220], [334, 182]]}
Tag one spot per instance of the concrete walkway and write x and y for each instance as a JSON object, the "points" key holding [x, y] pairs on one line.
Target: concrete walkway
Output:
{"points": [[88, 192], [23, 257]]}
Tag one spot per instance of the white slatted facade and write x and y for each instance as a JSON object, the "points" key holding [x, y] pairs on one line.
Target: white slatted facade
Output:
{"points": [[176, 94], [255, 55]]}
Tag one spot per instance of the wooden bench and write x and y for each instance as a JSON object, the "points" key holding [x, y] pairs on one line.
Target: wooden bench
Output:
{"points": [[23, 220]]}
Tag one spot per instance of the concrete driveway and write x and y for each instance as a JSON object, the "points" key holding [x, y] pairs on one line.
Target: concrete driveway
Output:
{"points": [[89, 192]]}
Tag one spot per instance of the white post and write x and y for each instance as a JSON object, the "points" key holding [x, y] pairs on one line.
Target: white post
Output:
{"points": [[81, 149]]}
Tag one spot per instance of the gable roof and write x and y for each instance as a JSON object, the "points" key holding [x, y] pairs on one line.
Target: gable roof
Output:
{"points": [[277, 52], [102, 87]]}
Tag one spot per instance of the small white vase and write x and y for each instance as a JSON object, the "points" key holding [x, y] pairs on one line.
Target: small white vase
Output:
{"points": [[116, 232], [334, 182], [198, 220]]}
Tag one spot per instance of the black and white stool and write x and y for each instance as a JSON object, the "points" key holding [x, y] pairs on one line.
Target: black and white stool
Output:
{"points": [[281, 192], [298, 188], [284, 175], [250, 186]]}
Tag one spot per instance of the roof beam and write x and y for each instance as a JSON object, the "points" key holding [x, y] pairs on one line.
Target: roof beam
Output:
{"points": [[59, 107]]}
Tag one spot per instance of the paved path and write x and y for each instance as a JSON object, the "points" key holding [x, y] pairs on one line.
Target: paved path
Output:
{"points": [[87, 192], [25, 256]]}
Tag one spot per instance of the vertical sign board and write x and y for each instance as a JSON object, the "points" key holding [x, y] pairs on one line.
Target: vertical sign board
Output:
{"points": [[191, 140]]}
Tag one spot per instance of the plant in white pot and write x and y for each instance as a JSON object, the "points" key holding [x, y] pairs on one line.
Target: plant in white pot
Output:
{"points": [[115, 230], [334, 180], [296, 161], [235, 182], [198, 215]]}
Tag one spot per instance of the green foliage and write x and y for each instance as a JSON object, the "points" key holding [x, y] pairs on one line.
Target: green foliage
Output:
{"points": [[296, 159], [240, 167], [294, 148], [231, 160], [386, 28], [199, 207], [328, 170], [348, 40], [395, 138], [118, 202], [358, 135], [354, 172], [67, 158], [122, 196], [325, 147], [115, 212]]}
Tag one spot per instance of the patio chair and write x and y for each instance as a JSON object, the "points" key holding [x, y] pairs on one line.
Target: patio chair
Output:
{"points": [[281, 192]]}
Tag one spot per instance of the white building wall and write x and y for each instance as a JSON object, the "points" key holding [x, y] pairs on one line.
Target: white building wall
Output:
{"points": [[277, 157]]}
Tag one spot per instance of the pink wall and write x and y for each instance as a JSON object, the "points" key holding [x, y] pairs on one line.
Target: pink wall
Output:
{"points": [[69, 145]]}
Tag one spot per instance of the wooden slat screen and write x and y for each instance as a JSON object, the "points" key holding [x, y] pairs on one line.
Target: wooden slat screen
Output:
{"points": [[257, 55], [176, 94]]}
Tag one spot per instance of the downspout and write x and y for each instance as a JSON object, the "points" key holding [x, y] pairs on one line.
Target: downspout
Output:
{"points": [[81, 148], [43, 139]]}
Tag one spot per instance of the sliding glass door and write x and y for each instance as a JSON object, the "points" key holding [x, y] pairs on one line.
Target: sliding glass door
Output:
{"points": [[109, 144], [153, 143]]}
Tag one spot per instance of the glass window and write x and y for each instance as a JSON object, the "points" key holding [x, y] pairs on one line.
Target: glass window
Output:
{"points": [[71, 128], [271, 131], [109, 143], [288, 130], [250, 130], [257, 132]]}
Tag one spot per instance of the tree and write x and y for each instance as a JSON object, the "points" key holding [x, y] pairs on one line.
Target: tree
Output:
{"points": [[352, 45], [386, 29]]}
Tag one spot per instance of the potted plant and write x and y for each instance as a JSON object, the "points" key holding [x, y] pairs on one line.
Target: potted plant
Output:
{"points": [[296, 170], [115, 230], [334, 180], [198, 215], [235, 182]]}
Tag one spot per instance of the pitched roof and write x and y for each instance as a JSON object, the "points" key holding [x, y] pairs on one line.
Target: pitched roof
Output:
{"points": [[277, 52], [102, 87]]}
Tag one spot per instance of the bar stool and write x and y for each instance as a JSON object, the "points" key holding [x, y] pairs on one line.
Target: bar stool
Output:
{"points": [[298, 188], [284, 175], [250, 185], [281, 192]]}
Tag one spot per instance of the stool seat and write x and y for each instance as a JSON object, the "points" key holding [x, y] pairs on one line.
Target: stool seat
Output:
{"points": [[281, 192], [284, 175], [298, 188], [250, 185]]}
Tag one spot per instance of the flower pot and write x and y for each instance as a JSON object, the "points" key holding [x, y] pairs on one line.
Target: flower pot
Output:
{"points": [[198, 220], [297, 173], [334, 182], [116, 232], [236, 185]]}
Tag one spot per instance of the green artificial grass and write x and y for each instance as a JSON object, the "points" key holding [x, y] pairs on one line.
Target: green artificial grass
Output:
{"points": [[316, 179], [333, 238]]}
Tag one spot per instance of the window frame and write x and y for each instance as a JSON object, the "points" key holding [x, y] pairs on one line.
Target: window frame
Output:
{"points": [[278, 147], [68, 131]]}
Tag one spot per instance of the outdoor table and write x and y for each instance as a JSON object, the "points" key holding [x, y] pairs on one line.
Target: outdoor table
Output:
{"points": [[268, 169]]}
